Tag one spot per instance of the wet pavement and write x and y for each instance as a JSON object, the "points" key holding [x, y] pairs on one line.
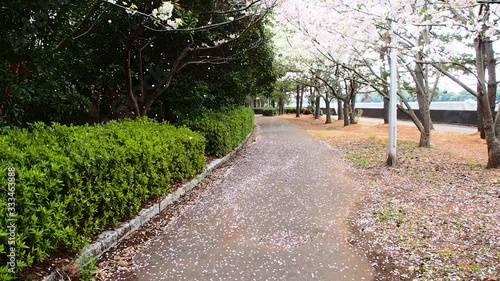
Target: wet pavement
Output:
{"points": [[278, 214]]}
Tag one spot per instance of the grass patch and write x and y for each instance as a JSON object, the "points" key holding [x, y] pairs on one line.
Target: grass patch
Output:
{"points": [[392, 214], [367, 155], [88, 269], [358, 160]]}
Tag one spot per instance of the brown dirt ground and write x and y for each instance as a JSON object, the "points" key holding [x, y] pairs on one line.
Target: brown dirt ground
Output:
{"points": [[462, 147], [433, 217]]}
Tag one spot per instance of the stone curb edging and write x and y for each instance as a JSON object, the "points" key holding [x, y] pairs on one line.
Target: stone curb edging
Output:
{"points": [[110, 238]]}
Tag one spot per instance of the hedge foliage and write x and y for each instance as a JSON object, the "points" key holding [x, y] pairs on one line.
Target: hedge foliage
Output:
{"points": [[266, 111], [290, 110], [73, 182], [271, 111], [306, 110], [224, 130]]}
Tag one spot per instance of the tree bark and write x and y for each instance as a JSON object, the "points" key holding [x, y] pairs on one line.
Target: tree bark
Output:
{"points": [[480, 125], [340, 109], [492, 77], [479, 44], [328, 111], [385, 87], [302, 89], [297, 101], [424, 99], [346, 112], [352, 106], [483, 100], [386, 110], [490, 66], [317, 110], [423, 105], [312, 99]]}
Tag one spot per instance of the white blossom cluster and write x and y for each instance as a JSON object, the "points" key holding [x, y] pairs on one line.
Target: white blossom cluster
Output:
{"points": [[310, 31], [164, 13]]}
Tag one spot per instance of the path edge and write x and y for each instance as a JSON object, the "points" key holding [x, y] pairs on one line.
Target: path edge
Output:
{"points": [[110, 238]]}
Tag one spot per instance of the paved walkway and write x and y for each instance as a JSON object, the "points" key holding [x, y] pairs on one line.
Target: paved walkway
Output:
{"points": [[277, 215]]}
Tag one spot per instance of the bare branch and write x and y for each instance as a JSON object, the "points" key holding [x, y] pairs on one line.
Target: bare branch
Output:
{"points": [[95, 7], [452, 77], [413, 75], [90, 28], [232, 11]]}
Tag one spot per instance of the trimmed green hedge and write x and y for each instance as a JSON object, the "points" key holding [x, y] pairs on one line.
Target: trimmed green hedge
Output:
{"points": [[73, 182], [266, 111], [306, 110], [290, 110], [224, 130]]}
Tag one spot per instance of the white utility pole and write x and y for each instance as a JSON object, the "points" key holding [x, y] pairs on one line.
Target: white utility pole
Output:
{"points": [[392, 159]]}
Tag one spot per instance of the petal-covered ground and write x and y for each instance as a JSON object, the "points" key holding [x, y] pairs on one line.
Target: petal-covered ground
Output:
{"points": [[435, 216], [278, 212]]}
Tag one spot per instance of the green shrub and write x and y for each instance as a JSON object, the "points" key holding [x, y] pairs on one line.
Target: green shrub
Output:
{"points": [[266, 111], [307, 111], [270, 111], [224, 130], [258, 110], [73, 182], [290, 110]]}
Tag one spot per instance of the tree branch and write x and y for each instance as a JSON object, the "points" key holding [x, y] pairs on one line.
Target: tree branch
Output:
{"points": [[85, 20], [247, 7], [453, 78]]}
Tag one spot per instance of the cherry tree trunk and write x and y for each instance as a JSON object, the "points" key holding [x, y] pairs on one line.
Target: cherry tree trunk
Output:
{"points": [[317, 110], [346, 112], [302, 98], [492, 80], [385, 87], [386, 111], [421, 78], [480, 126], [297, 102], [485, 112], [352, 110], [312, 99], [423, 105], [328, 111], [340, 110], [425, 134]]}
